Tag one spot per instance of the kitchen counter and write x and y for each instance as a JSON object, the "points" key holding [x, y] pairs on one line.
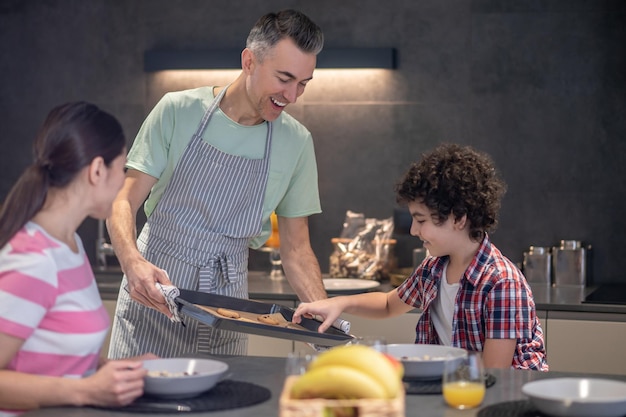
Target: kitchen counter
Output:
{"points": [[261, 287], [269, 372]]}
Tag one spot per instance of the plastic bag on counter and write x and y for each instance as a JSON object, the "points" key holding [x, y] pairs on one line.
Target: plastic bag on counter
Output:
{"points": [[364, 249]]}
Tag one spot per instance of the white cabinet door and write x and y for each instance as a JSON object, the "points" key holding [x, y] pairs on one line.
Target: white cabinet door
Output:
{"points": [[110, 307], [269, 346], [586, 342], [399, 329]]}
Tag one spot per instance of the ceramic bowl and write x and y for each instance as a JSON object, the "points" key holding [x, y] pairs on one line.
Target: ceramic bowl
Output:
{"points": [[578, 397], [182, 377], [424, 361]]}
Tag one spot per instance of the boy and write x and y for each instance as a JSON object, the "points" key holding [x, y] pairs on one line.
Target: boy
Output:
{"points": [[471, 296]]}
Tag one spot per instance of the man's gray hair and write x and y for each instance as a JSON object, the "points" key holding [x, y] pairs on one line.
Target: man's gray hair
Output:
{"points": [[273, 27]]}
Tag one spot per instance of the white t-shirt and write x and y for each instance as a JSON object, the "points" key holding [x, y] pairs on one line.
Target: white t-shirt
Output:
{"points": [[443, 308]]}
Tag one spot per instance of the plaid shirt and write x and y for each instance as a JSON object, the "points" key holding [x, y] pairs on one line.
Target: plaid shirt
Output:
{"points": [[494, 301]]}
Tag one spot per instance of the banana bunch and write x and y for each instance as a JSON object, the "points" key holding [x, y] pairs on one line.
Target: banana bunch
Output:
{"points": [[350, 372]]}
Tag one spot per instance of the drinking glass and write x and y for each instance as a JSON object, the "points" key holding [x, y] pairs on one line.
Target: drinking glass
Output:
{"points": [[298, 362], [464, 381], [378, 343], [276, 273]]}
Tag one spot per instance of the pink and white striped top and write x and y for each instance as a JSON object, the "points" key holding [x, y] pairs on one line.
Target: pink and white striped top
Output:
{"points": [[50, 299]]}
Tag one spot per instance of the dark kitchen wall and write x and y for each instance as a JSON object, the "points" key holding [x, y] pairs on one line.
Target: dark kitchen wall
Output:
{"points": [[540, 85]]}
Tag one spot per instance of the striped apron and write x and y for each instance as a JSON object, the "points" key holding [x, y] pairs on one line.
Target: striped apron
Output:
{"points": [[198, 233]]}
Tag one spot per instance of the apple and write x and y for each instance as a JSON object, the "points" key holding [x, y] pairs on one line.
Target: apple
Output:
{"points": [[397, 365]]}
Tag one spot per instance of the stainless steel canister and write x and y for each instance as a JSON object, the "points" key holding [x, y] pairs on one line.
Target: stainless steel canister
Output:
{"points": [[569, 262], [537, 265]]}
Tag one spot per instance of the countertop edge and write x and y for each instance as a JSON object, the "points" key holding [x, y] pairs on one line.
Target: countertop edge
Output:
{"points": [[261, 287]]}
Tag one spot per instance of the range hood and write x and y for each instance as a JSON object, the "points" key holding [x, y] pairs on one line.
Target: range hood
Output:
{"points": [[230, 58]]}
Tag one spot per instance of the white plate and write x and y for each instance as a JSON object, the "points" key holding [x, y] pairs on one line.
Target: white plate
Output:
{"points": [[182, 377], [578, 397], [349, 284], [422, 361]]}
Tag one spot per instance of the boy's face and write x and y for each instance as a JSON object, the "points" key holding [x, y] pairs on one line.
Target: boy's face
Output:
{"points": [[439, 238]]}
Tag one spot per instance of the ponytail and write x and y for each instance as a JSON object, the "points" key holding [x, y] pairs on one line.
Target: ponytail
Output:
{"points": [[72, 135], [24, 200]]}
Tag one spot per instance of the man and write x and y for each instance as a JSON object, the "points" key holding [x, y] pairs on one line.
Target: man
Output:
{"points": [[214, 163]]}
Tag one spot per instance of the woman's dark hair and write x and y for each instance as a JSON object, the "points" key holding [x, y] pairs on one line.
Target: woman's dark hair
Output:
{"points": [[455, 180], [273, 27], [72, 135]]}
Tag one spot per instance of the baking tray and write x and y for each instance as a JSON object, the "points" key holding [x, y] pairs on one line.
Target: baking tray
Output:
{"points": [[306, 331]]}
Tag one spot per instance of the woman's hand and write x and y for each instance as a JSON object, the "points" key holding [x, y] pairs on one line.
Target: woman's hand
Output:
{"points": [[116, 383]]}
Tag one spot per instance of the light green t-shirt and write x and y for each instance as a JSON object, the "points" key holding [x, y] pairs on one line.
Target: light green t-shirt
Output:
{"points": [[292, 188]]}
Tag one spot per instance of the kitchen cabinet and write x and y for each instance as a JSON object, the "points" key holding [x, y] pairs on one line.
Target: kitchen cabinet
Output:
{"points": [[586, 342], [110, 307], [400, 329], [269, 346]]}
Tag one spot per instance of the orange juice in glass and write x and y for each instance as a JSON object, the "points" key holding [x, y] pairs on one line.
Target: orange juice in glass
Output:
{"points": [[464, 394], [464, 381]]}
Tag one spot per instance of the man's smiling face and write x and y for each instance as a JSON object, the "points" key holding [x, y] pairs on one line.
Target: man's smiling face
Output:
{"points": [[279, 79]]}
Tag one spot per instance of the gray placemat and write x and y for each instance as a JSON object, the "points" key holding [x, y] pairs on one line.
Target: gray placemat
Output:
{"points": [[519, 408], [225, 395]]}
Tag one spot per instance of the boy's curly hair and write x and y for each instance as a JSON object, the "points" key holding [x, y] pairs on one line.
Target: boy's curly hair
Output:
{"points": [[457, 180]]}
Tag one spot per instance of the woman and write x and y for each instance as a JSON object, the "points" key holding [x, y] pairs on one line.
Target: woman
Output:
{"points": [[52, 321]]}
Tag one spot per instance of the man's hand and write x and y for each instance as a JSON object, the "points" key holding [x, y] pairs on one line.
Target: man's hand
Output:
{"points": [[142, 277]]}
